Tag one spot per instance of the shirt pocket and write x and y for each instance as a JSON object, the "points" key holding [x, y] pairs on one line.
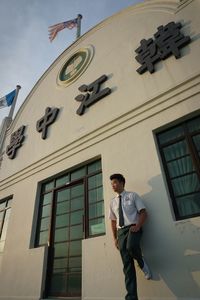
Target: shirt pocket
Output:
{"points": [[129, 206]]}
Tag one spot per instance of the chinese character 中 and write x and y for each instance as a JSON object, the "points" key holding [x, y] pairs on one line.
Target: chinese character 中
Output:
{"points": [[90, 98], [48, 118]]}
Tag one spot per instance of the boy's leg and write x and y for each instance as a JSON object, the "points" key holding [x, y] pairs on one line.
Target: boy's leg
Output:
{"points": [[133, 246], [128, 263]]}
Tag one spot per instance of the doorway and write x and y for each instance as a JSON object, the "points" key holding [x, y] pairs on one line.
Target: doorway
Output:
{"points": [[64, 274]]}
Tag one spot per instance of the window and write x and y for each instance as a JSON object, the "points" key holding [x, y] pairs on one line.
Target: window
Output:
{"points": [[5, 208], [71, 199], [180, 152]]}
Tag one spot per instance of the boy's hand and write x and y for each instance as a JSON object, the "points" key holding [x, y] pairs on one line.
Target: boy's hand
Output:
{"points": [[116, 243], [135, 228]]}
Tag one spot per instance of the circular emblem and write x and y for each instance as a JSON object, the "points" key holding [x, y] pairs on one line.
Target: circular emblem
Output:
{"points": [[75, 66]]}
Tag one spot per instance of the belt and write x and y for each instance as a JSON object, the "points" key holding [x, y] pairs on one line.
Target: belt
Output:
{"points": [[126, 226]]}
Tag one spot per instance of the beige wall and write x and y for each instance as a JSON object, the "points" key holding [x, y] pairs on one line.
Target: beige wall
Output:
{"points": [[119, 128]]}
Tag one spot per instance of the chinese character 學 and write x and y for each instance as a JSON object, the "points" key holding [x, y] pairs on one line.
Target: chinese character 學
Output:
{"points": [[16, 140], [90, 98], [48, 118], [168, 41]]}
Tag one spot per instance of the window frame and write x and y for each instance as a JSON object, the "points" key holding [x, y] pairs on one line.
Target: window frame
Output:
{"points": [[4, 210], [70, 183], [193, 153]]}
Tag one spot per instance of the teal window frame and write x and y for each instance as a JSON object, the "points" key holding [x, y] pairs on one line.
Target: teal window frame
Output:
{"points": [[48, 189], [179, 148]]}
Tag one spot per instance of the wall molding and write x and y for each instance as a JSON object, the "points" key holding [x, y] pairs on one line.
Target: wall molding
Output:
{"points": [[151, 107]]}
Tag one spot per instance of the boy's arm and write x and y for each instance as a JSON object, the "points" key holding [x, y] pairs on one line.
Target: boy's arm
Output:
{"points": [[141, 221], [114, 231], [114, 228]]}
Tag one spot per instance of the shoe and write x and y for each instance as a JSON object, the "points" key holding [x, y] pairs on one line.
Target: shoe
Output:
{"points": [[146, 270]]}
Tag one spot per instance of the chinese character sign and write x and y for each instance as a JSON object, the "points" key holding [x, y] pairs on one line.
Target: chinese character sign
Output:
{"points": [[168, 41], [48, 118], [93, 93], [16, 140]]}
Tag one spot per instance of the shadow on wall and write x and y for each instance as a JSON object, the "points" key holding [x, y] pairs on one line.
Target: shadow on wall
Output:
{"points": [[172, 248]]}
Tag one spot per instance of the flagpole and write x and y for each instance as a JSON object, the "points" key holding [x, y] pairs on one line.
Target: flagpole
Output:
{"points": [[7, 122], [78, 32], [18, 87]]}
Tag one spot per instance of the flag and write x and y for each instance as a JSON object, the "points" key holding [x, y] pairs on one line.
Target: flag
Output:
{"points": [[8, 99], [54, 29]]}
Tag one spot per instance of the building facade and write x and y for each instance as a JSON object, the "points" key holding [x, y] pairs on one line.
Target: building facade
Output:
{"points": [[124, 97]]}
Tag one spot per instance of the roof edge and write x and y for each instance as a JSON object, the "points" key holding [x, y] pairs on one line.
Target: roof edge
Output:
{"points": [[170, 6]]}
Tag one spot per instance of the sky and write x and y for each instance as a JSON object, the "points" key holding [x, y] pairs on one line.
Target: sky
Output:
{"points": [[26, 52]]}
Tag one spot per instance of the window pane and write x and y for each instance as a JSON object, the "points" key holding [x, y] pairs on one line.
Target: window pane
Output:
{"points": [[176, 150], [58, 284], [60, 263], [180, 166], [69, 207], [74, 283], [43, 237], [76, 232], [95, 166], [77, 203], [9, 203], [95, 181], [186, 184], [193, 125], [2, 205], [76, 217], [1, 215], [61, 249], [188, 205], [63, 195], [75, 248], [178, 159], [78, 173], [96, 210], [44, 223], [46, 211], [75, 262], [62, 180], [47, 198], [48, 186], [59, 271], [170, 134], [5, 224], [196, 140], [96, 226], [77, 191], [62, 220], [62, 207], [96, 194], [61, 234]]}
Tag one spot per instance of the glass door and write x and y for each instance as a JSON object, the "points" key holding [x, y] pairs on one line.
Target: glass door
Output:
{"points": [[64, 262]]}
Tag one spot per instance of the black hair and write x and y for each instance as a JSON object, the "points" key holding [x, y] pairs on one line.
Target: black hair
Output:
{"points": [[119, 177]]}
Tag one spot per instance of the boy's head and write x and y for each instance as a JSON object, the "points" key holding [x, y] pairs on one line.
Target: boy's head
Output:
{"points": [[117, 182]]}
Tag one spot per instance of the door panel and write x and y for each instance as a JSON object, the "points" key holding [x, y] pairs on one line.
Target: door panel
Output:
{"points": [[65, 255]]}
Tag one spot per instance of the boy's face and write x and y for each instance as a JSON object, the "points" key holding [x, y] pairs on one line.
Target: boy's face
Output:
{"points": [[117, 185]]}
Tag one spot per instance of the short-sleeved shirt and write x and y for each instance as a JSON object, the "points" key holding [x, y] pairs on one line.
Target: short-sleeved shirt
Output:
{"points": [[131, 206]]}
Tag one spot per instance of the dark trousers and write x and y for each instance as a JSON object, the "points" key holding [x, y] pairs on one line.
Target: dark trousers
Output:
{"points": [[129, 247]]}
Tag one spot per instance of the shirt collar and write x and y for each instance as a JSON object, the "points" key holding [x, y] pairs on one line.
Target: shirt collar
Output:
{"points": [[122, 193]]}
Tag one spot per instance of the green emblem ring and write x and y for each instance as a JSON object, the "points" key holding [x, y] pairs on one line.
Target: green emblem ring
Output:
{"points": [[75, 66]]}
